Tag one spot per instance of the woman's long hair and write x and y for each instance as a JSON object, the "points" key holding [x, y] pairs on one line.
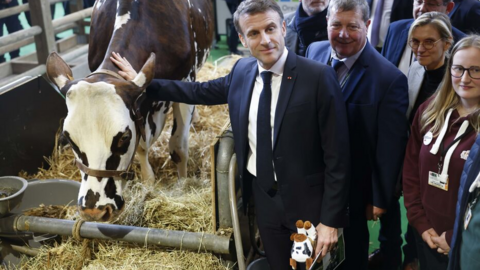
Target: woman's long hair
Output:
{"points": [[445, 97]]}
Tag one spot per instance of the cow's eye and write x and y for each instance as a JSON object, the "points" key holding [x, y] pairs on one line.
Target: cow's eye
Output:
{"points": [[126, 136]]}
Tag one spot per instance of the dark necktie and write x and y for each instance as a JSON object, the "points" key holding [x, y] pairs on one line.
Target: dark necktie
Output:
{"points": [[377, 20], [265, 174], [337, 64]]}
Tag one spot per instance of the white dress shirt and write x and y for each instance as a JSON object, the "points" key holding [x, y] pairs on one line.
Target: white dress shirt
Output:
{"points": [[277, 70]]}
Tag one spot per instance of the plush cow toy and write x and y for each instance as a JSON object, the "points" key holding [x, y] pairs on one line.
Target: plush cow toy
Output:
{"points": [[303, 244]]}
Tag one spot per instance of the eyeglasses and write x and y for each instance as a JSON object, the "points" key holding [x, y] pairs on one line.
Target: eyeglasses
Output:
{"points": [[427, 44], [428, 4], [458, 71]]}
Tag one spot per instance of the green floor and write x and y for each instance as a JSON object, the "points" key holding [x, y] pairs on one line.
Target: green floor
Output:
{"points": [[220, 50]]}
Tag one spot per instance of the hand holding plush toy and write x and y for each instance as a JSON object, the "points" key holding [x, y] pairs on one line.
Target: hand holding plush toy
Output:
{"points": [[303, 244]]}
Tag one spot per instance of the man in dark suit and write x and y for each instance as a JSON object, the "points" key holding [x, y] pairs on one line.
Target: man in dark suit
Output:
{"points": [[306, 174], [465, 16], [395, 48], [375, 93]]}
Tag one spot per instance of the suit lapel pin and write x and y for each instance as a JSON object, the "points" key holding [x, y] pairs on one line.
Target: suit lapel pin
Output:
{"points": [[289, 78]]}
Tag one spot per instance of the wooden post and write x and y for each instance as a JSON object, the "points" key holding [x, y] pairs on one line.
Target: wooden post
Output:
{"points": [[41, 16], [77, 5]]}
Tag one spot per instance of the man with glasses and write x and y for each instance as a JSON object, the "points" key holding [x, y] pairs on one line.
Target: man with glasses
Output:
{"points": [[395, 48], [376, 96]]}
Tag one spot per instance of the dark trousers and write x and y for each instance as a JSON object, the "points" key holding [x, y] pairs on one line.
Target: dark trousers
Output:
{"points": [[13, 24], [429, 258], [390, 237], [410, 247], [391, 241], [274, 230], [356, 240], [232, 41]]}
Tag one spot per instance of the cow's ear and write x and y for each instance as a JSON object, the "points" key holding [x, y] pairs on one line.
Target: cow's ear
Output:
{"points": [[145, 76], [58, 72]]}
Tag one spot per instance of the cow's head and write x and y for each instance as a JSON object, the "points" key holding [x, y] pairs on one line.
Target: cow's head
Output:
{"points": [[100, 126]]}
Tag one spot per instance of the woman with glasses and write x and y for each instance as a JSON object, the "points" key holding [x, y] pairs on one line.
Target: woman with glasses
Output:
{"points": [[443, 131]]}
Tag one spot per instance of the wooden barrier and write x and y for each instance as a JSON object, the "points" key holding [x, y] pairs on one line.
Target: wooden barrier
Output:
{"points": [[42, 34]]}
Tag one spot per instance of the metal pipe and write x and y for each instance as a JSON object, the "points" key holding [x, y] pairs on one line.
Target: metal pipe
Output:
{"points": [[224, 154], [233, 207], [147, 236], [11, 82], [76, 16], [20, 35]]}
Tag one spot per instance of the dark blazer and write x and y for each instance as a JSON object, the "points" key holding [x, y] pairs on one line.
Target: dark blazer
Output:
{"points": [[401, 9], [466, 16], [311, 153], [470, 172], [376, 96], [397, 38]]}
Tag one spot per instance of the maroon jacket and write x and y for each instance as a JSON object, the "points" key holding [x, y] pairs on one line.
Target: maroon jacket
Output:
{"points": [[428, 206]]}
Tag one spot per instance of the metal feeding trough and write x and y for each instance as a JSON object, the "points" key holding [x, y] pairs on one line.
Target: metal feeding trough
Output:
{"points": [[12, 189], [33, 193]]}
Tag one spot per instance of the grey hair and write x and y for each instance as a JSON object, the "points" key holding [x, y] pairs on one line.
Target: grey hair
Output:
{"points": [[348, 5]]}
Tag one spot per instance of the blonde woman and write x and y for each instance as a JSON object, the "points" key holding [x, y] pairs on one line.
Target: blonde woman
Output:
{"points": [[443, 131]]}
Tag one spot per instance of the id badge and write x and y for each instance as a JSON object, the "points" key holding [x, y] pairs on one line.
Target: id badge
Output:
{"points": [[468, 217], [438, 180]]}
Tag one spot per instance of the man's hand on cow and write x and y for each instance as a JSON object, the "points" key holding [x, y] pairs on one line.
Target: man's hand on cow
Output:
{"points": [[126, 70], [327, 238]]}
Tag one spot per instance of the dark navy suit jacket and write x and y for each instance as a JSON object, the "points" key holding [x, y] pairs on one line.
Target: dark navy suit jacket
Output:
{"points": [[397, 38], [466, 16], [470, 172], [376, 96], [310, 145]]}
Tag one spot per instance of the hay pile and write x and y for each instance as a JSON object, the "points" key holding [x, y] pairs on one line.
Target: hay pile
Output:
{"points": [[173, 204]]}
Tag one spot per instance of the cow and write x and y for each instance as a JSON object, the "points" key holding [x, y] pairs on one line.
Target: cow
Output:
{"points": [[109, 118]]}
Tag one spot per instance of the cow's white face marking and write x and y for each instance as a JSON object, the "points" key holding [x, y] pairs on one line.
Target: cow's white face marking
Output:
{"points": [[60, 81], [96, 114], [140, 79], [121, 20]]}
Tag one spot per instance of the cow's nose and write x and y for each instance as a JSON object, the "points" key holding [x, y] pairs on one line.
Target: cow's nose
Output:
{"points": [[105, 214]]}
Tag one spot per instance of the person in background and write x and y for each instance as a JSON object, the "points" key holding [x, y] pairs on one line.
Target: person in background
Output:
{"points": [[233, 40], [273, 97], [12, 24], [443, 131], [306, 25], [466, 232], [395, 48], [382, 13], [376, 96], [430, 38]]}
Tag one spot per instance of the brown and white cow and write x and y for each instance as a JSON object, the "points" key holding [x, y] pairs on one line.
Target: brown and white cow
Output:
{"points": [[107, 115]]}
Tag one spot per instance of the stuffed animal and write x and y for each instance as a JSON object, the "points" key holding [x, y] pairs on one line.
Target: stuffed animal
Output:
{"points": [[303, 244]]}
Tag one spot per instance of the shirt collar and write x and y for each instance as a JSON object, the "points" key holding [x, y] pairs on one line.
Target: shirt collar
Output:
{"points": [[278, 67], [349, 61]]}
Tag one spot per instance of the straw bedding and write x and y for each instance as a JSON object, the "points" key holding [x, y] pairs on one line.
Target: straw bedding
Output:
{"points": [[184, 204]]}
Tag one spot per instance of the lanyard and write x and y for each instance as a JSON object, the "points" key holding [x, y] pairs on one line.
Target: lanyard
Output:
{"points": [[446, 154]]}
